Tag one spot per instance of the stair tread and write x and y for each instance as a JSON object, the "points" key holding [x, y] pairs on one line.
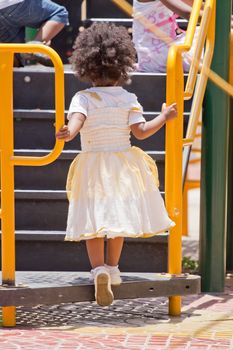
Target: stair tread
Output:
{"points": [[67, 154], [54, 235], [43, 194]]}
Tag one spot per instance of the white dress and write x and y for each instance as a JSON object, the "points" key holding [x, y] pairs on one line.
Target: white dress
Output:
{"points": [[112, 187]]}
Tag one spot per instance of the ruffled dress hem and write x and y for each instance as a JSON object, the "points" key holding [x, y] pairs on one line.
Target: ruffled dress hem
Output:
{"points": [[113, 234]]}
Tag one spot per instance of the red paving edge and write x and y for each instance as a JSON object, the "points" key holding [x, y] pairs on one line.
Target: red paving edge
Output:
{"points": [[27, 339], [218, 335]]}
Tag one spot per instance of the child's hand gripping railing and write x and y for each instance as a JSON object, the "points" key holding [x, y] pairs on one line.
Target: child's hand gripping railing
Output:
{"points": [[8, 160], [174, 128]]}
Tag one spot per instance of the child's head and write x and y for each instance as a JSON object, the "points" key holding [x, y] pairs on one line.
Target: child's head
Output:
{"points": [[103, 54]]}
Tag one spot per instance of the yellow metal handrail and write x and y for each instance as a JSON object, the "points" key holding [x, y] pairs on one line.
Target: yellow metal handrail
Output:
{"points": [[194, 67], [208, 21], [174, 128], [8, 160], [124, 5], [59, 100]]}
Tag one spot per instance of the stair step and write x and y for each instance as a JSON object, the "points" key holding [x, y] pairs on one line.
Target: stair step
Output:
{"points": [[40, 210], [38, 83], [34, 250], [51, 288]]}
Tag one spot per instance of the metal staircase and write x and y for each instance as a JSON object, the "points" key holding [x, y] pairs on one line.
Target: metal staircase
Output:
{"points": [[41, 203]]}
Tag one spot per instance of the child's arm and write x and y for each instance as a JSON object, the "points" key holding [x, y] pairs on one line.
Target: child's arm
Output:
{"points": [[68, 132], [145, 129]]}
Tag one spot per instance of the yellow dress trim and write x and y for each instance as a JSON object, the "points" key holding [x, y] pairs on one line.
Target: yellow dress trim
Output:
{"points": [[101, 235], [135, 109]]}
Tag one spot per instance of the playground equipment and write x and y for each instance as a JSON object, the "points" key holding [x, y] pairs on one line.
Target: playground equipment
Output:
{"points": [[172, 284]]}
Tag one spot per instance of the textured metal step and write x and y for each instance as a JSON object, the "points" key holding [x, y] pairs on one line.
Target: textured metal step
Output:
{"points": [[67, 287]]}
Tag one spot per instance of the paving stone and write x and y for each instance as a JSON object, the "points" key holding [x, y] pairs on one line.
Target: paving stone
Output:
{"points": [[141, 324]]}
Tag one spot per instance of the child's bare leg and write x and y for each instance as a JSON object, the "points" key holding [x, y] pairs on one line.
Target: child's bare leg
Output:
{"points": [[95, 250], [114, 248], [102, 282], [48, 31]]}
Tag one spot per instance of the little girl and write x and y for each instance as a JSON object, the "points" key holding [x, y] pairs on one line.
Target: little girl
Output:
{"points": [[112, 187], [152, 50]]}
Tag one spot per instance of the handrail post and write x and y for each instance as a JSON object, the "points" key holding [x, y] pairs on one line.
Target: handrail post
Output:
{"points": [[173, 167], [8, 160], [7, 180]]}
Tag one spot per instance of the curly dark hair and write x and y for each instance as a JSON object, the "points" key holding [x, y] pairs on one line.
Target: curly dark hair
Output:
{"points": [[103, 54]]}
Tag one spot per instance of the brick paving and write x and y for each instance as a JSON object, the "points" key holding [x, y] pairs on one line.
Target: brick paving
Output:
{"points": [[142, 324]]}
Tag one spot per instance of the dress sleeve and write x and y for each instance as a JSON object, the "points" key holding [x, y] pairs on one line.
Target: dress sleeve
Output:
{"points": [[136, 112], [79, 104]]}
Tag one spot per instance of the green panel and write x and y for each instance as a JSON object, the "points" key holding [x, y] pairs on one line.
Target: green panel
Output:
{"points": [[214, 162], [230, 195]]}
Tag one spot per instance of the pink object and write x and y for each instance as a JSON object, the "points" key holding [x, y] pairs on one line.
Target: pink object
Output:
{"points": [[152, 51]]}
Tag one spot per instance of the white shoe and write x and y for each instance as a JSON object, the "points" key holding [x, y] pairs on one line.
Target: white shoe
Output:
{"points": [[114, 273], [103, 293]]}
